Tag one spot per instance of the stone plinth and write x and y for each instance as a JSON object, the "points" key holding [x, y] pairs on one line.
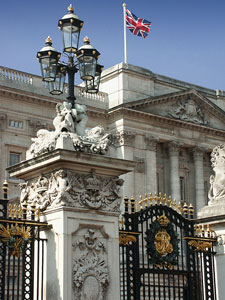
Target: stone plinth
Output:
{"points": [[79, 195]]}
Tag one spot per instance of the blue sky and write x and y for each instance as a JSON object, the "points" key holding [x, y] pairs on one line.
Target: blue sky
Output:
{"points": [[186, 41]]}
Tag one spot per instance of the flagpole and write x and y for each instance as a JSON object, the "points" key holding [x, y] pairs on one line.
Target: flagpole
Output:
{"points": [[125, 33]]}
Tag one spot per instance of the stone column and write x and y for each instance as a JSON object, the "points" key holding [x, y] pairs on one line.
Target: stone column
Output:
{"points": [[124, 140], [199, 178], [79, 195], [151, 168], [174, 148]]}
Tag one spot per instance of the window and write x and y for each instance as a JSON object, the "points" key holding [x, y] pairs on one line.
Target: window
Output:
{"points": [[15, 124], [14, 158]]}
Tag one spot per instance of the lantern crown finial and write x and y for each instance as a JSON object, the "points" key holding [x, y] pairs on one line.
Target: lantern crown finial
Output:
{"points": [[70, 9], [48, 41], [86, 40]]}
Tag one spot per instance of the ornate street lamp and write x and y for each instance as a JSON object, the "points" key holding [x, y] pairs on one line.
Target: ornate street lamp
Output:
{"points": [[54, 72], [87, 58], [92, 86], [70, 25], [57, 87], [48, 58]]}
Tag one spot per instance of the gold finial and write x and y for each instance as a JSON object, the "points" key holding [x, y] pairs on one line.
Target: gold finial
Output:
{"points": [[170, 201], [124, 5], [146, 200], [165, 200], [180, 208], [48, 40], [70, 9], [150, 199], [156, 199], [141, 202]]}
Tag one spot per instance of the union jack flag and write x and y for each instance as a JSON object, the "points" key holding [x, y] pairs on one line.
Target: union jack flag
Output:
{"points": [[138, 26]]}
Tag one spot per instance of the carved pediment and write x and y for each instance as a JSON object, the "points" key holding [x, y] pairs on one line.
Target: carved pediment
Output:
{"points": [[188, 110], [187, 106]]}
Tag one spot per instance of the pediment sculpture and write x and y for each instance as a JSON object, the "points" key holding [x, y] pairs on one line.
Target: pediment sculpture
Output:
{"points": [[71, 123], [188, 110]]}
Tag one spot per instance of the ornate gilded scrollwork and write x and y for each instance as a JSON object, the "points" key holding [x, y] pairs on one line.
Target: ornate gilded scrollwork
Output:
{"points": [[200, 245], [15, 237], [162, 243], [125, 239]]}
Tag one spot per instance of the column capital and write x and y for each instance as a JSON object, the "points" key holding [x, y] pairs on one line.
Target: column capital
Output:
{"points": [[198, 152], [174, 147], [124, 138], [151, 142]]}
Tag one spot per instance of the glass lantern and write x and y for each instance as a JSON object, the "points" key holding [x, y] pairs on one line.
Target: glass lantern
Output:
{"points": [[57, 87], [87, 58], [48, 58], [92, 86], [70, 25]]}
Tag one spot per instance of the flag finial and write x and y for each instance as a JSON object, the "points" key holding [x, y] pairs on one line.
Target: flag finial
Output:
{"points": [[124, 5]]}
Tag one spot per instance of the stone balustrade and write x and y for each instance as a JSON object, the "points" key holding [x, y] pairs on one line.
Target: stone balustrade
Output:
{"points": [[30, 83]]}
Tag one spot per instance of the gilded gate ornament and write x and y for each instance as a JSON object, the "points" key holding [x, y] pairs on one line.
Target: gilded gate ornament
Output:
{"points": [[162, 243], [16, 238]]}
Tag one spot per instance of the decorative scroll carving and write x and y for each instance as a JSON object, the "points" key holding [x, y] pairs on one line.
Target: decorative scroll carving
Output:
{"points": [[90, 269], [188, 110], [70, 123], [124, 138], [65, 188], [217, 181]]}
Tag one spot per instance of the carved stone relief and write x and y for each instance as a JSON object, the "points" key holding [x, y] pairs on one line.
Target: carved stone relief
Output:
{"points": [[66, 188], [90, 268], [188, 110], [70, 122]]}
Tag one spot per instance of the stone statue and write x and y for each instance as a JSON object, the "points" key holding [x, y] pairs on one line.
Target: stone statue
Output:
{"points": [[70, 123], [217, 181]]}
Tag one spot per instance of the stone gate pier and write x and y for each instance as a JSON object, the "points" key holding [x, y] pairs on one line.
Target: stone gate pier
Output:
{"points": [[78, 192], [214, 214], [79, 195]]}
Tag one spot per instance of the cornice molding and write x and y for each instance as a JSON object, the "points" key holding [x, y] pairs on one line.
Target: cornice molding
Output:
{"points": [[28, 97], [144, 116]]}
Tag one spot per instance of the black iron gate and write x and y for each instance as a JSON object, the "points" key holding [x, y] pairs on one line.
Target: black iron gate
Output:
{"points": [[164, 255], [21, 251]]}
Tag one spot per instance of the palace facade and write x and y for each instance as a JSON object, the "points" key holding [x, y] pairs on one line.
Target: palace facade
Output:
{"points": [[168, 127]]}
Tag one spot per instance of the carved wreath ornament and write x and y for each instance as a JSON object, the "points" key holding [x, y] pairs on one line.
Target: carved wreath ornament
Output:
{"points": [[162, 243], [90, 270], [16, 238]]}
